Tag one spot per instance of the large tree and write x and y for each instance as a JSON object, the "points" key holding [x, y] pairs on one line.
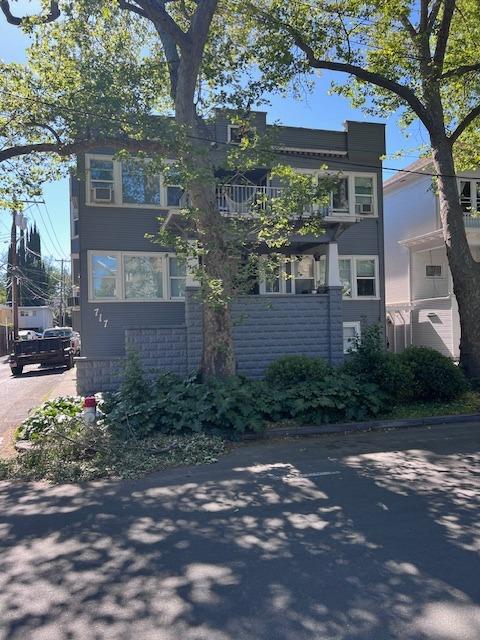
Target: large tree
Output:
{"points": [[420, 57]]}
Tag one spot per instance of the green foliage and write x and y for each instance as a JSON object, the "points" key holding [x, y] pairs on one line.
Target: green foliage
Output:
{"points": [[48, 417], [75, 452], [338, 398], [291, 370], [369, 361], [436, 376]]}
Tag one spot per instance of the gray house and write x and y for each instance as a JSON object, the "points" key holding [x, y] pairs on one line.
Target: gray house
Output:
{"points": [[130, 292]]}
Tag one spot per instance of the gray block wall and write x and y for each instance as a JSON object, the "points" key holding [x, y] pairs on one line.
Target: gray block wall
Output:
{"points": [[265, 328]]}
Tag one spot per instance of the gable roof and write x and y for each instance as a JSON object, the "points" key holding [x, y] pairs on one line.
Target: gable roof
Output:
{"points": [[416, 168]]}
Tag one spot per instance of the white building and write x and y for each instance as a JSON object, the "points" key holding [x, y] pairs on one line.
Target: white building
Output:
{"points": [[421, 307], [36, 318]]}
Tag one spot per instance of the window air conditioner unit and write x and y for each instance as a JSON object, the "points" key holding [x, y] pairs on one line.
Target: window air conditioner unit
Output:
{"points": [[102, 194], [364, 209]]}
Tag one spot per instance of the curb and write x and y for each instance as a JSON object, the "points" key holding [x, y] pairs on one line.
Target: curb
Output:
{"points": [[352, 427]]}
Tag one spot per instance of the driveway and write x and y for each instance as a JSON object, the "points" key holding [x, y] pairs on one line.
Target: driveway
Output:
{"points": [[19, 395], [366, 537]]}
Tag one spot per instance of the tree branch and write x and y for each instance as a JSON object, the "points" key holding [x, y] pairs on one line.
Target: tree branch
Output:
{"points": [[443, 33], [81, 146], [460, 71], [51, 16], [47, 127], [128, 6], [433, 15], [463, 124], [157, 13]]}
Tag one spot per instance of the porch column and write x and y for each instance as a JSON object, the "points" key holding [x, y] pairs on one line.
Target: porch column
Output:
{"points": [[333, 270]]}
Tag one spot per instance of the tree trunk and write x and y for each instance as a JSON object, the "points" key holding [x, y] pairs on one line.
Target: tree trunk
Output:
{"points": [[218, 358], [465, 270]]}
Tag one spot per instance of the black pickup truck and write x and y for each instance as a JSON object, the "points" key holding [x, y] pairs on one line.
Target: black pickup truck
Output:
{"points": [[50, 352]]}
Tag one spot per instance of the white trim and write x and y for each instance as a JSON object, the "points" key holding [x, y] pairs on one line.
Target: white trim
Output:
{"points": [[351, 325], [117, 201], [120, 276]]}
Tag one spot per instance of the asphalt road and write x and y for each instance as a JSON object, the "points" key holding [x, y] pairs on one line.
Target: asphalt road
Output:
{"points": [[365, 537], [19, 395]]}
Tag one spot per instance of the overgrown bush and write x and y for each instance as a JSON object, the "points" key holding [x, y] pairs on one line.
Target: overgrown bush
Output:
{"points": [[291, 370], [47, 417], [338, 398], [436, 377], [370, 362]]}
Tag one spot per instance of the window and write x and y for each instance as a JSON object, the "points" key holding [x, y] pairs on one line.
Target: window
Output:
{"points": [[433, 270], [139, 186], [177, 275], [235, 133], [135, 277], [345, 268], [340, 196], [359, 276], [104, 277], [174, 192], [470, 195], [304, 274], [366, 280], [351, 333], [143, 277], [363, 195], [101, 180]]}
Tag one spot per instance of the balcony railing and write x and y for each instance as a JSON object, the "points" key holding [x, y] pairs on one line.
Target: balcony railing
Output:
{"points": [[471, 219]]}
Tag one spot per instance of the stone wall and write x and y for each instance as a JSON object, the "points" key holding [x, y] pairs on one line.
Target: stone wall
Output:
{"points": [[265, 328]]}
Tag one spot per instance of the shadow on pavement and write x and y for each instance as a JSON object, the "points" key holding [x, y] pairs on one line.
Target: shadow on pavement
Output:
{"points": [[35, 373], [376, 545]]}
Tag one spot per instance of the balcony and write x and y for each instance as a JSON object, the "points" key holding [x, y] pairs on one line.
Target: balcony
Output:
{"points": [[472, 219]]}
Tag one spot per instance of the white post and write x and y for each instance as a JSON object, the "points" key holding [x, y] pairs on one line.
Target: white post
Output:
{"points": [[333, 270]]}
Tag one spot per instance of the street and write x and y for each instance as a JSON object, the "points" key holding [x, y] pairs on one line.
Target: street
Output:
{"points": [[19, 395], [372, 536]]}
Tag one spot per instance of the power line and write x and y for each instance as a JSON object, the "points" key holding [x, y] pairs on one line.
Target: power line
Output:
{"points": [[54, 232]]}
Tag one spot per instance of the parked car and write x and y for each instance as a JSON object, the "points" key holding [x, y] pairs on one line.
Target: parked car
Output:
{"points": [[28, 334], [52, 351], [65, 332]]}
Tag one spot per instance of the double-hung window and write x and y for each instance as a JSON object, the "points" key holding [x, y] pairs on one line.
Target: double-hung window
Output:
{"points": [[102, 180], [351, 334], [294, 274], [359, 276], [173, 190], [135, 277], [339, 199], [363, 186], [139, 184]]}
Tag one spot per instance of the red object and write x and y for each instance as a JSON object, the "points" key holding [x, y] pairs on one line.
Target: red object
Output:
{"points": [[90, 402]]}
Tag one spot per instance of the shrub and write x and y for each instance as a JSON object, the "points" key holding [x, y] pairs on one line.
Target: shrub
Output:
{"points": [[371, 363], [337, 398], [436, 377], [291, 370], [47, 417]]}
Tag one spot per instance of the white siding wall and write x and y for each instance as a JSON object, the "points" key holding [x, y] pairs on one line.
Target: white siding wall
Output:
{"points": [[409, 210], [432, 326], [429, 287]]}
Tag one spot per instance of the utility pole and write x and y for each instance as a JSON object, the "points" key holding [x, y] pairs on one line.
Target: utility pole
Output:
{"points": [[62, 291], [13, 271]]}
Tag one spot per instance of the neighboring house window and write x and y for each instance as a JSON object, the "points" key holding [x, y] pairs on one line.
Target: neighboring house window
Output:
{"points": [[174, 191], [295, 274], [135, 277], [102, 180], [433, 270], [359, 276], [177, 274], [470, 195], [351, 333], [304, 274], [28, 314], [139, 186]]}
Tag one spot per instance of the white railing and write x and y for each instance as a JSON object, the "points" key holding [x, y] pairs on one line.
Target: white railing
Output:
{"points": [[471, 219], [244, 198]]}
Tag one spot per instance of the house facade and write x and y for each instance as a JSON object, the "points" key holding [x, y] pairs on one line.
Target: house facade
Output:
{"points": [[35, 318], [132, 293], [421, 307]]}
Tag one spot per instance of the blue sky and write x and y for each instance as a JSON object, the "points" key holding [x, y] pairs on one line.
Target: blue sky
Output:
{"points": [[318, 110]]}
